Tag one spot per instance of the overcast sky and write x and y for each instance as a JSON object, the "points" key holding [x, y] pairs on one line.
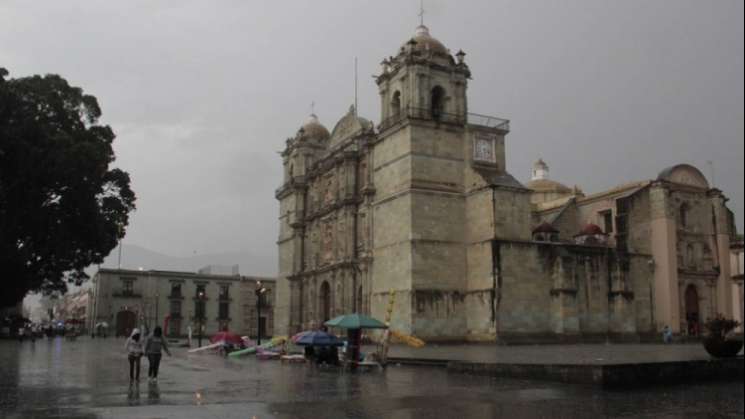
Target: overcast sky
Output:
{"points": [[202, 94]]}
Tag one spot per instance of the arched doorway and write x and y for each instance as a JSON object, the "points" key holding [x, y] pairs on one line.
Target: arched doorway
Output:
{"points": [[125, 322], [437, 102], [396, 104], [325, 296], [691, 304]]}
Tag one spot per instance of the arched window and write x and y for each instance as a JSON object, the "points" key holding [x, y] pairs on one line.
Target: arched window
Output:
{"points": [[325, 295], [437, 103], [684, 210], [396, 104]]}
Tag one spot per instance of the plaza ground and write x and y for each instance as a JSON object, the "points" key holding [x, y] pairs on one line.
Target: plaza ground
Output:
{"points": [[88, 379], [557, 354]]}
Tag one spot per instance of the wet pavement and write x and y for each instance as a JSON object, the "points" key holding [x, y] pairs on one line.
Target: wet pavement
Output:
{"points": [[583, 354], [88, 379]]}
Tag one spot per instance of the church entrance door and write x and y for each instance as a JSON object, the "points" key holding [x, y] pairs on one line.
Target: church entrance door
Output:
{"points": [[174, 327], [325, 295], [125, 322], [691, 304]]}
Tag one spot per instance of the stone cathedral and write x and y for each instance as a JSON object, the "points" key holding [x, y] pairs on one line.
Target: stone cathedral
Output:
{"points": [[422, 204]]}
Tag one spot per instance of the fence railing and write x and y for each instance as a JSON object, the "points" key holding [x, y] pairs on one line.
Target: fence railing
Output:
{"points": [[489, 121], [444, 117], [422, 113]]}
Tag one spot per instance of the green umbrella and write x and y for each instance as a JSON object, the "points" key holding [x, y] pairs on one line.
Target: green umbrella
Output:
{"points": [[355, 321]]}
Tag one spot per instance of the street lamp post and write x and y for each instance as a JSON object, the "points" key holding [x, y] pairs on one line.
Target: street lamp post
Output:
{"points": [[200, 314], [157, 297], [260, 290]]}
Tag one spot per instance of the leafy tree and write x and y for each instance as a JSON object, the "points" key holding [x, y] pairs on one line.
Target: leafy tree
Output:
{"points": [[61, 207]]}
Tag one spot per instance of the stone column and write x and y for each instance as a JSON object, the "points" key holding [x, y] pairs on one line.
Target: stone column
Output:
{"points": [[564, 299], [722, 234], [663, 240], [622, 313]]}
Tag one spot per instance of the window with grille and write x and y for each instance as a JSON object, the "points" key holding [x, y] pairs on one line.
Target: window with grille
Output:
{"points": [[224, 310], [176, 289], [175, 308], [128, 286], [224, 292]]}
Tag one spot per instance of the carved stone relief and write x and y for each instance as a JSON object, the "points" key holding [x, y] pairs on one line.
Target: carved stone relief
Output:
{"points": [[328, 241], [328, 196]]}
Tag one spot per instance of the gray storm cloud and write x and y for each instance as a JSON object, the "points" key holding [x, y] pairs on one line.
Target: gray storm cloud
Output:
{"points": [[203, 94]]}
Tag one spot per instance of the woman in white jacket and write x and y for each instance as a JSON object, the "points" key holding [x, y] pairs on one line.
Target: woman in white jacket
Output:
{"points": [[133, 346]]}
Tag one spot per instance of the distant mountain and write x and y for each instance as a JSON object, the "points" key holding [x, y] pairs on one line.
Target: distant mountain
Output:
{"points": [[135, 257]]}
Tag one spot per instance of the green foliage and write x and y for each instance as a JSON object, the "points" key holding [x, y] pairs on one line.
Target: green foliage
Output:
{"points": [[61, 207], [719, 326]]}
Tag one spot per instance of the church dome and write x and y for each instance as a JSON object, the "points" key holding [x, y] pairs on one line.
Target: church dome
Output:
{"points": [[540, 182], [548, 186], [424, 42], [313, 129]]}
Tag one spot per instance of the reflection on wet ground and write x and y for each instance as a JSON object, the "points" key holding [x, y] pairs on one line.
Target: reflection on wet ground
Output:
{"points": [[583, 354], [88, 379]]}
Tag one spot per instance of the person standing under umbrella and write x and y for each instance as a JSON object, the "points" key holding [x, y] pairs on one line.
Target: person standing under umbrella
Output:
{"points": [[154, 345]]}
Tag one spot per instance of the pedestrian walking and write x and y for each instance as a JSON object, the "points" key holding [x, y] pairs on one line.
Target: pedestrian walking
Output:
{"points": [[154, 345], [667, 334], [133, 346]]}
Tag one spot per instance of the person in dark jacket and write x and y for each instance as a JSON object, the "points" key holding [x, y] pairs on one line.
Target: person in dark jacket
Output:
{"points": [[154, 345]]}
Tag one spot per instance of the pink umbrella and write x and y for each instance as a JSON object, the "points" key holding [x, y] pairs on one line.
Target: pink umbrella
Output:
{"points": [[227, 337], [297, 336]]}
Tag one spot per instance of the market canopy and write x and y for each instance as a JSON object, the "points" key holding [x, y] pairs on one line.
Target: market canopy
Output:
{"points": [[356, 321]]}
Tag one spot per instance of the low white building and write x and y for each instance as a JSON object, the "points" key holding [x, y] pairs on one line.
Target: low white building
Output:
{"points": [[125, 299]]}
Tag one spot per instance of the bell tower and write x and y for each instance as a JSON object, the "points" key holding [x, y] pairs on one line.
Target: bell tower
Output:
{"points": [[299, 154], [419, 207], [423, 81]]}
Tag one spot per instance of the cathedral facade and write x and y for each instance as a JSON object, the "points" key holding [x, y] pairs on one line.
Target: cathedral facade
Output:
{"points": [[422, 205]]}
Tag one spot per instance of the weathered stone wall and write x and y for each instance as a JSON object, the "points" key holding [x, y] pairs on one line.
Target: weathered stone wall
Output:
{"points": [[641, 275], [391, 229], [481, 294], [524, 306], [438, 315], [438, 260], [512, 214], [639, 223], [592, 282], [548, 289], [392, 164]]}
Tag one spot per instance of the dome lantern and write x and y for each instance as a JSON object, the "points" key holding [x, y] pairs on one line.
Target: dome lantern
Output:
{"points": [[312, 129]]}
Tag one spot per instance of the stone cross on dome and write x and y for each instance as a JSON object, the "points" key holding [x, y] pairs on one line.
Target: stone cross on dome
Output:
{"points": [[421, 12]]}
